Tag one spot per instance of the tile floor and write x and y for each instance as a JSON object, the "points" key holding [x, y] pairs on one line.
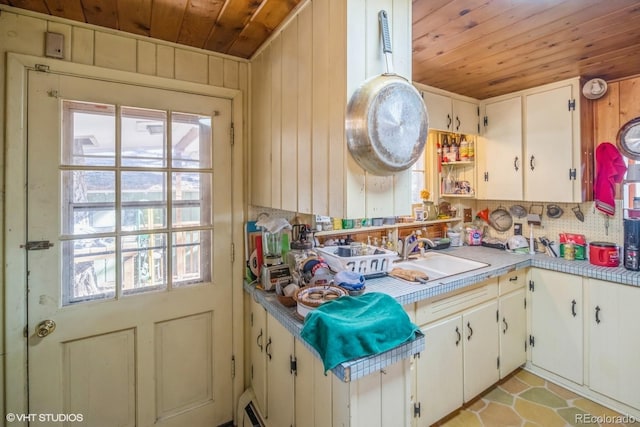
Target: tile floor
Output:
{"points": [[526, 400]]}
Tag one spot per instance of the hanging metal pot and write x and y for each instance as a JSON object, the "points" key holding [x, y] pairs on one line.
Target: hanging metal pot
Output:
{"points": [[386, 121]]}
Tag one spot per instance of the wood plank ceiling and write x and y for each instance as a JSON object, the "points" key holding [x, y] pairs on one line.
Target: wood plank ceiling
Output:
{"points": [[478, 48]]}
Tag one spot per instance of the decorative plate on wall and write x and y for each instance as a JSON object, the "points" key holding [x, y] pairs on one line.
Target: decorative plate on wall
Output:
{"points": [[628, 139]]}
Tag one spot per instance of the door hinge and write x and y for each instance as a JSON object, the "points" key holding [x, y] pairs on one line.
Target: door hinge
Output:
{"points": [[498, 363], [478, 110], [416, 410], [486, 177], [572, 173], [478, 128], [525, 303], [532, 286], [497, 316], [232, 134], [485, 121], [37, 245], [572, 105], [293, 365], [251, 319], [251, 371], [532, 341], [233, 366], [525, 345], [233, 252], [416, 355], [42, 68]]}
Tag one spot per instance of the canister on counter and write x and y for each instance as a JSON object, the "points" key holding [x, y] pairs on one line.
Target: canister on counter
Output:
{"points": [[569, 251]]}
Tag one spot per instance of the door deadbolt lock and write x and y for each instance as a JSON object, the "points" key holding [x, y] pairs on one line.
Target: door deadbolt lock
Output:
{"points": [[45, 328]]}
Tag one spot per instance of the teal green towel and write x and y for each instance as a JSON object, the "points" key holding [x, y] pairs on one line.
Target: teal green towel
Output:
{"points": [[353, 327]]}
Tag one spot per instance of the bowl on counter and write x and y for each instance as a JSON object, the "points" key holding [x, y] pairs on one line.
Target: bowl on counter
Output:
{"points": [[311, 297]]}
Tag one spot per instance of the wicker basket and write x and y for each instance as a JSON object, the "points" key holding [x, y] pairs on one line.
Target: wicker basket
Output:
{"points": [[286, 301], [283, 299]]}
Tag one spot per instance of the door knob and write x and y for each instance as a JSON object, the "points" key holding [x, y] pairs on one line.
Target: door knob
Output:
{"points": [[45, 328]]}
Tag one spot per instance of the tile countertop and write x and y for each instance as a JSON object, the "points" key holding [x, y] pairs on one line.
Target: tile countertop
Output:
{"points": [[500, 263]]}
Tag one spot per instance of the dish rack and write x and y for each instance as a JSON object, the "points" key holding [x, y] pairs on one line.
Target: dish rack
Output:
{"points": [[375, 264]]}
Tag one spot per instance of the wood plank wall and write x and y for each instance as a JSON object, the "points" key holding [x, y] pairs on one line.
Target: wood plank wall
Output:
{"points": [[300, 84], [620, 104]]}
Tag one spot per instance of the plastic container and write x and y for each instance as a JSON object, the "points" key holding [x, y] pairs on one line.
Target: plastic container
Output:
{"points": [[378, 261], [604, 254], [456, 238]]}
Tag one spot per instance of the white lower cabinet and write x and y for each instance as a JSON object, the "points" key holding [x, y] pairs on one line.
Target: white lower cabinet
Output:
{"points": [[512, 322], [613, 323], [272, 350], [258, 338], [461, 351], [480, 349], [292, 389], [439, 371], [596, 351], [556, 337], [280, 375]]}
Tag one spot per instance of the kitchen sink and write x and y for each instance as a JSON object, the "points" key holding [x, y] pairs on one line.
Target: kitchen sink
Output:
{"points": [[438, 265]]}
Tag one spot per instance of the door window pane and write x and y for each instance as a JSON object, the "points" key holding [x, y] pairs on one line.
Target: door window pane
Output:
{"points": [[143, 137], [191, 199], [144, 261], [91, 272], [191, 146], [90, 134], [116, 188], [191, 257], [144, 199], [88, 198]]}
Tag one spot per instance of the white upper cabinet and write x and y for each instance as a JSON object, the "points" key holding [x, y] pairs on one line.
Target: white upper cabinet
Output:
{"points": [[550, 140], [533, 145], [500, 151], [450, 112]]}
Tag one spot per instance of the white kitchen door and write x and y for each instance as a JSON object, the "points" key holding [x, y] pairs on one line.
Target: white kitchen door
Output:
{"points": [[129, 258]]}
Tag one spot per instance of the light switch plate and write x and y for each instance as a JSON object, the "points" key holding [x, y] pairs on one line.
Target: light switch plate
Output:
{"points": [[54, 43]]}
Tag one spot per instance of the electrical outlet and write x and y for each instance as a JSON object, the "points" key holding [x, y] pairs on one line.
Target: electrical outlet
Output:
{"points": [[517, 229]]}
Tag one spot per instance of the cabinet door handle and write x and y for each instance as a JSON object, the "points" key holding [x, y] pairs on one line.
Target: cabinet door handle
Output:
{"points": [[448, 121], [516, 163], [268, 348], [470, 331], [459, 336], [513, 278], [532, 163], [457, 123], [573, 308], [506, 326], [597, 314], [259, 340]]}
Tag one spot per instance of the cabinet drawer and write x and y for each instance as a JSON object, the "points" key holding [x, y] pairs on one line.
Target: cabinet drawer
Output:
{"points": [[428, 311], [512, 281]]}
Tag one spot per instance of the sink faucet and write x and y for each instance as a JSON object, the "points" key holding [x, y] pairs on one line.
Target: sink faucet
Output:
{"points": [[407, 247]]}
